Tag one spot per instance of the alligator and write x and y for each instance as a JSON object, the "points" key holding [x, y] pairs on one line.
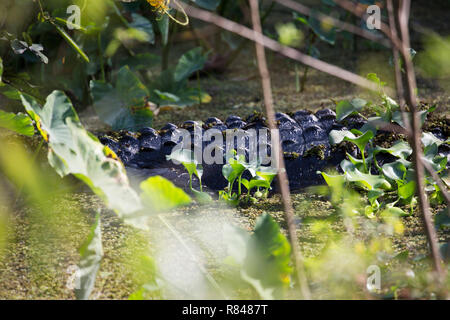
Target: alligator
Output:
{"points": [[304, 136]]}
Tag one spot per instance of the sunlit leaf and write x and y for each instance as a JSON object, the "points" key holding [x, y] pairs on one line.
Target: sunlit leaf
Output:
{"points": [[19, 123], [345, 108], [159, 194], [143, 24]]}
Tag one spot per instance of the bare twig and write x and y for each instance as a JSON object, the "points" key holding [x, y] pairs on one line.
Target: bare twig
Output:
{"points": [[283, 50], [333, 21], [282, 176], [411, 99]]}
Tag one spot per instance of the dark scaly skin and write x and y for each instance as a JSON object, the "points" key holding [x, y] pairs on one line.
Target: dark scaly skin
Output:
{"points": [[304, 137]]}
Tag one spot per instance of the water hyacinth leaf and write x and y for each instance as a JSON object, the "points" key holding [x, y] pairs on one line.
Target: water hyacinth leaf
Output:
{"points": [[366, 180], [429, 139], [190, 62], [360, 141], [143, 24], [337, 136], [91, 253], [125, 106], [267, 173], [160, 194], [396, 170], [345, 108], [407, 190], [18, 123], [400, 149], [373, 195]]}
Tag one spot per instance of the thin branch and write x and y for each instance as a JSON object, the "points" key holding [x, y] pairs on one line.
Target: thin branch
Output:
{"points": [[333, 21], [282, 176], [411, 99], [283, 50]]}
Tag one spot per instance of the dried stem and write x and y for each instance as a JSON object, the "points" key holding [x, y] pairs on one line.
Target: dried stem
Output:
{"points": [[411, 100], [282, 176]]}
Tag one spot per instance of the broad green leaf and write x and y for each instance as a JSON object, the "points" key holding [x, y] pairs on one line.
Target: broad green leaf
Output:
{"points": [[73, 150], [396, 170], [19, 123], [373, 195], [345, 108], [31, 52], [400, 149], [268, 256], [268, 173], [360, 141], [143, 24], [407, 190], [122, 107], [51, 119], [255, 182], [160, 194], [366, 180], [190, 62], [337, 136], [91, 253], [428, 139]]}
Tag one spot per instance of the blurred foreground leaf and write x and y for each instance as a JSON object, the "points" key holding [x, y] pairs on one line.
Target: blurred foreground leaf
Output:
{"points": [[91, 253]]}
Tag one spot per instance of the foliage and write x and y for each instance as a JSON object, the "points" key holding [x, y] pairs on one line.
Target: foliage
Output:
{"points": [[263, 257], [91, 253]]}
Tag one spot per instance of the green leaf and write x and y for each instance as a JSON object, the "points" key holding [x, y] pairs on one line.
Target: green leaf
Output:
{"points": [[71, 42], [268, 256], [406, 191], [400, 149], [360, 141], [267, 173], [373, 77], [159, 194], [396, 170], [345, 108], [91, 253], [73, 150], [19, 123], [122, 107], [366, 180], [143, 24], [190, 62]]}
